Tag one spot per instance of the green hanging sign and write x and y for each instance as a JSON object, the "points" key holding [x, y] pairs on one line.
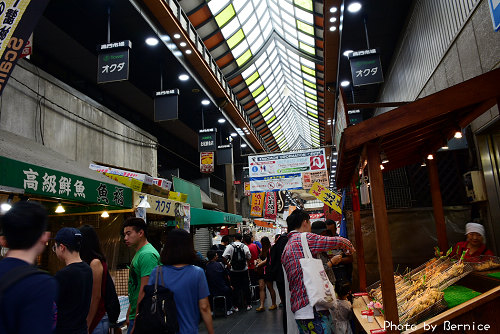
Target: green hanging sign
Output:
{"points": [[53, 183]]}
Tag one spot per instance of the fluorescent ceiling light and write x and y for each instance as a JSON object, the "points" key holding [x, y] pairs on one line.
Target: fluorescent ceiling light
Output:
{"points": [[205, 102], [333, 10], [333, 19], [188, 52], [347, 53], [183, 44], [183, 77], [354, 7], [221, 120], [151, 41], [177, 36], [345, 83], [333, 28]]}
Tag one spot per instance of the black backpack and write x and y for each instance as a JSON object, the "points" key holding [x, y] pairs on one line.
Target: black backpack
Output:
{"points": [[17, 274], [111, 302], [238, 260], [157, 310]]}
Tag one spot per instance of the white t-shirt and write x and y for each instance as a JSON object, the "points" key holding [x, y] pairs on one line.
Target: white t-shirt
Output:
{"points": [[228, 253]]}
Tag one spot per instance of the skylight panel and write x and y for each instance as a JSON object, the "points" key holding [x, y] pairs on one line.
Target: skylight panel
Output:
{"points": [[235, 39], [307, 48], [259, 61], [304, 16], [251, 79], [266, 113], [307, 28], [291, 39], [254, 34], [230, 28], [258, 91], [217, 5], [238, 4], [287, 18], [244, 58], [250, 24], [310, 90], [260, 10], [311, 96], [240, 49], [267, 29], [308, 70], [263, 102], [257, 45], [272, 119], [249, 71], [286, 7], [309, 77], [225, 15], [255, 85], [306, 38], [309, 83]]}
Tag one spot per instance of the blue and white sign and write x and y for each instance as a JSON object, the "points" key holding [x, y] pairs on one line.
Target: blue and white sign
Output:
{"points": [[275, 183], [495, 13]]}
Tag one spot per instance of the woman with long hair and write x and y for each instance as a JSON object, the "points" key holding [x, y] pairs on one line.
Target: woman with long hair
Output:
{"points": [[90, 252], [187, 282], [265, 277]]}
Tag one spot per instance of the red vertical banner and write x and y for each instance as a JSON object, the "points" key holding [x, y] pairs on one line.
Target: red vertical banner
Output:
{"points": [[270, 207], [207, 162]]}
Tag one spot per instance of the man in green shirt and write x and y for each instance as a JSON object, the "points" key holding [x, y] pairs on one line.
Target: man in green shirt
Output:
{"points": [[145, 260]]}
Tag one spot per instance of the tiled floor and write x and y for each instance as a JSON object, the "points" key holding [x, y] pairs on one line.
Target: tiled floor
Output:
{"points": [[249, 322]]}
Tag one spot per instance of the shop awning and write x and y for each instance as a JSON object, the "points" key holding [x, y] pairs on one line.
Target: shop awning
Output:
{"points": [[27, 167], [409, 133], [202, 217]]}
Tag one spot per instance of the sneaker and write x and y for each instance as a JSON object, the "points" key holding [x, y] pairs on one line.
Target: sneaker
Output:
{"points": [[273, 307], [249, 307], [234, 309], [229, 312], [260, 309]]}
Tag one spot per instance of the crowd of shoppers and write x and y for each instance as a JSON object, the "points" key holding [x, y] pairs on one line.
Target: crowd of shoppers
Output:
{"points": [[74, 300]]}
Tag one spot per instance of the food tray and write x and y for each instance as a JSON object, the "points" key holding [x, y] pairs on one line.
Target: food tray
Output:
{"points": [[431, 311], [440, 265], [485, 262], [467, 269]]}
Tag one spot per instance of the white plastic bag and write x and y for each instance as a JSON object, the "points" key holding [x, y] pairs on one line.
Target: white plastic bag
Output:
{"points": [[319, 289]]}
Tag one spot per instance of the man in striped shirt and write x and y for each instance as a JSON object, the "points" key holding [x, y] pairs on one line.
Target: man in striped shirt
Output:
{"points": [[308, 319]]}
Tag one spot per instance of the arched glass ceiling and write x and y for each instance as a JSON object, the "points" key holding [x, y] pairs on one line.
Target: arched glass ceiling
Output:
{"points": [[273, 43]]}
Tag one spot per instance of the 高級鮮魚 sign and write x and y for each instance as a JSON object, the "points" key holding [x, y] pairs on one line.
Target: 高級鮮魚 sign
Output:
{"points": [[286, 163], [276, 183]]}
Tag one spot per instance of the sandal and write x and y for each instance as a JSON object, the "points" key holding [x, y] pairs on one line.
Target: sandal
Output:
{"points": [[273, 307], [260, 309]]}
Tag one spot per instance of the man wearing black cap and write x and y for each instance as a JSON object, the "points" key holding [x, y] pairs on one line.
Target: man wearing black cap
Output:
{"points": [[75, 283]]}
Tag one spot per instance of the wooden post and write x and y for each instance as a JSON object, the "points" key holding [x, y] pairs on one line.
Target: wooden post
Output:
{"points": [[384, 252], [358, 237], [437, 205]]}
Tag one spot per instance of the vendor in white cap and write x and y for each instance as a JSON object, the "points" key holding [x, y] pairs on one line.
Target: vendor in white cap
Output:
{"points": [[475, 244]]}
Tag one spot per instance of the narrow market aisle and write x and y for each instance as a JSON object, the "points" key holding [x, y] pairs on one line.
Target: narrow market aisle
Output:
{"points": [[249, 322]]}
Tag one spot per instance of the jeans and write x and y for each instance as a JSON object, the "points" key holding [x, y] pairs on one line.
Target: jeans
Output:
{"points": [[130, 326], [103, 326]]}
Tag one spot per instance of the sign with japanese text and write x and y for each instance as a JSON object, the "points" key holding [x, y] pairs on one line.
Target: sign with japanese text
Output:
{"points": [[276, 183], [247, 189], [257, 204], [18, 18], [207, 139], [52, 183], [207, 162], [113, 61], [286, 163], [144, 178], [280, 201], [224, 155], [326, 196], [166, 105], [309, 178], [341, 118], [365, 67], [270, 209], [176, 196], [158, 205], [28, 48]]}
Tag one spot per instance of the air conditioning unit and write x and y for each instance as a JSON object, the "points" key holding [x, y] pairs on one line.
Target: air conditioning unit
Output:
{"points": [[475, 187]]}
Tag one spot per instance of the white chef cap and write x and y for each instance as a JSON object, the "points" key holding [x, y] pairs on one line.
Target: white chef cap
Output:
{"points": [[474, 227]]}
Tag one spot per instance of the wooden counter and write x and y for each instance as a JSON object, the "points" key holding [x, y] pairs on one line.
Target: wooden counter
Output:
{"points": [[360, 304]]}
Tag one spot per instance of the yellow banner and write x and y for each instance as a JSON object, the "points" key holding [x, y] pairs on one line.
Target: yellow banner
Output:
{"points": [[158, 205], [180, 197], [326, 196], [136, 185], [257, 204]]}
